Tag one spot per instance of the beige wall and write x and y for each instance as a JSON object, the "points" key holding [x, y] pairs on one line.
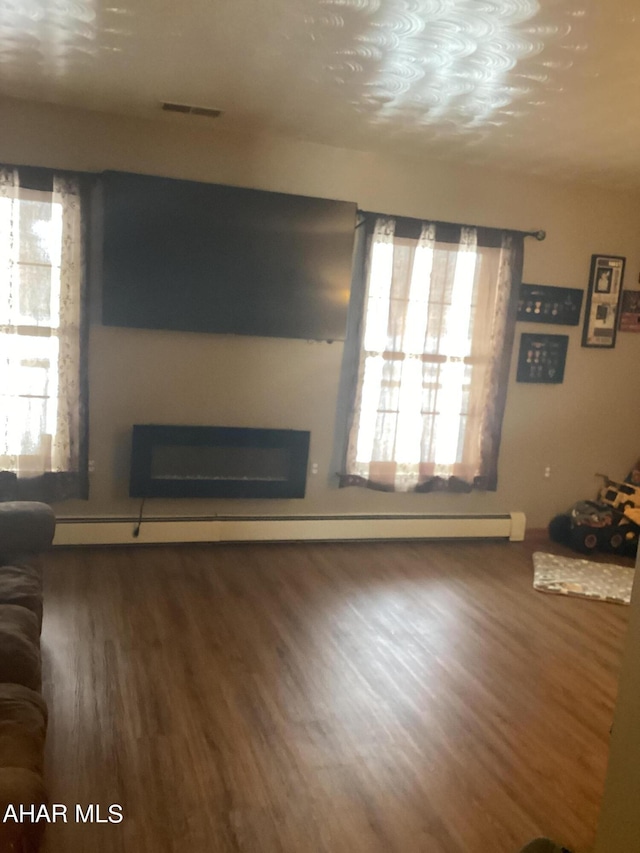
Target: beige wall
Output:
{"points": [[590, 423]]}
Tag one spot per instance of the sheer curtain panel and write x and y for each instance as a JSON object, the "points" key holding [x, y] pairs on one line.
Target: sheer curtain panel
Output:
{"points": [[42, 336], [434, 354]]}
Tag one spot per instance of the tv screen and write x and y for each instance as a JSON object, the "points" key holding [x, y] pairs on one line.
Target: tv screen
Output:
{"points": [[211, 258]]}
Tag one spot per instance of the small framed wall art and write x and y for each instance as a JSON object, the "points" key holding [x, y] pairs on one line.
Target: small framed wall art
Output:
{"points": [[542, 358], [630, 311], [539, 303], [603, 301]]}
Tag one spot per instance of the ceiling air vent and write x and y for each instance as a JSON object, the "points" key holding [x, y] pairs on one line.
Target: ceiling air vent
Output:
{"points": [[190, 109]]}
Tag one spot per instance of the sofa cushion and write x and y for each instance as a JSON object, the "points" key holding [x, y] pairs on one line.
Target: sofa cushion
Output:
{"points": [[20, 787], [21, 746], [21, 704], [19, 646], [29, 564], [23, 727], [25, 526], [22, 585]]}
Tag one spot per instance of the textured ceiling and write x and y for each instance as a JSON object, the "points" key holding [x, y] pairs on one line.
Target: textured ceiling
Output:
{"points": [[544, 86]]}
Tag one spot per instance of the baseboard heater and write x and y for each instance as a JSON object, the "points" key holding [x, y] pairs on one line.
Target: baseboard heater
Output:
{"points": [[154, 531]]}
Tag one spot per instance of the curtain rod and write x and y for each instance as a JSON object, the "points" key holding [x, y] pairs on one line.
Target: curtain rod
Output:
{"points": [[539, 235]]}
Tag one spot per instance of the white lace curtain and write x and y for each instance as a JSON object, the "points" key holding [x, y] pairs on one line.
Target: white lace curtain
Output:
{"points": [[40, 327], [434, 357]]}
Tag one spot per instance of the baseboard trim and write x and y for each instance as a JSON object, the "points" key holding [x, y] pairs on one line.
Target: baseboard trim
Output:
{"points": [[121, 531]]}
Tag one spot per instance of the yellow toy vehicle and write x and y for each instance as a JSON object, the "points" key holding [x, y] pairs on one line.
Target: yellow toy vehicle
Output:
{"points": [[620, 496]]}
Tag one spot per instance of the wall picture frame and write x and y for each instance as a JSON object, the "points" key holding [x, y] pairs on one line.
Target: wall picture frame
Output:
{"points": [[542, 358], [541, 303], [630, 311], [602, 313]]}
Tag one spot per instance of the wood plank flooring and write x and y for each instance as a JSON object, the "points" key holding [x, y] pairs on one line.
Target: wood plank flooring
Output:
{"points": [[324, 698]]}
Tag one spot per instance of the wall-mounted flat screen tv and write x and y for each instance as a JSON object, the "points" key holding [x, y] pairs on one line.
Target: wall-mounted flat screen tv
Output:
{"points": [[210, 258]]}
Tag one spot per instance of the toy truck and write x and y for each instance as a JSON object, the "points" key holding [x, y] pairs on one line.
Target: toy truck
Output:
{"points": [[611, 523]]}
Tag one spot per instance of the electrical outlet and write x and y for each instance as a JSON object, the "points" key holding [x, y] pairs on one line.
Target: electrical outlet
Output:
{"points": [[547, 471], [91, 466], [314, 467]]}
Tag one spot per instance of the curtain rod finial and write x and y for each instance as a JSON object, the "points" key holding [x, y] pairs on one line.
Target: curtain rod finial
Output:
{"points": [[540, 235]]}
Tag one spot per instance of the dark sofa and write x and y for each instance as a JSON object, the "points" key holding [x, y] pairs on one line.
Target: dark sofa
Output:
{"points": [[26, 530]]}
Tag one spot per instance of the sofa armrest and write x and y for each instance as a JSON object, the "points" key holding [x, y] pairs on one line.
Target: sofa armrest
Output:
{"points": [[25, 527]]}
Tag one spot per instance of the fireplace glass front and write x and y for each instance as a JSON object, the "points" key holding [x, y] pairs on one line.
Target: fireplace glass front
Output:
{"points": [[195, 461]]}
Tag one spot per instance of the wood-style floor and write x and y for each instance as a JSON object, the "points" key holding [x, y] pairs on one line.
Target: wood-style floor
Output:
{"points": [[324, 698]]}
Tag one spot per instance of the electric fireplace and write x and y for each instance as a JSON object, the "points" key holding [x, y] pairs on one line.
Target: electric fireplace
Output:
{"points": [[217, 462]]}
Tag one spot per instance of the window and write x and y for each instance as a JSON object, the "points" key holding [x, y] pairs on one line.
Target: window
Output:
{"points": [[434, 351], [42, 434]]}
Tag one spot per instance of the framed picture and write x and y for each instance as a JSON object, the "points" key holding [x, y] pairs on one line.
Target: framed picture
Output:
{"points": [[542, 358], [539, 303], [630, 311], [603, 301]]}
